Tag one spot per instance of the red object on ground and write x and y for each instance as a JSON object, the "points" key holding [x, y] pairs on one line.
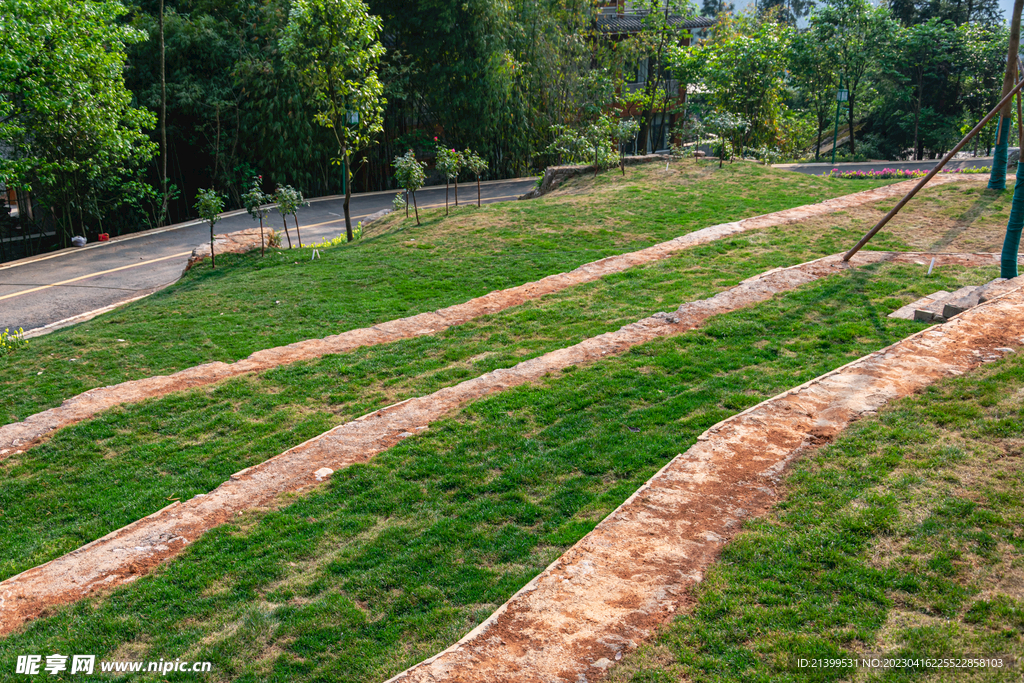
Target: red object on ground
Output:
{"points": [[104, 237]]}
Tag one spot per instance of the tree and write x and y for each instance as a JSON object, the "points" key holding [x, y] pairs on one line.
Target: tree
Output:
{"points": [[333, 46], [209, 205], [410, 176], [813, 68], [852, 30], [730, 129], [254, 201], [745, 72], [476, 165], [288, 202], [622, 131], [652, 48], [448, 162], [712, 8], [66, 118]]}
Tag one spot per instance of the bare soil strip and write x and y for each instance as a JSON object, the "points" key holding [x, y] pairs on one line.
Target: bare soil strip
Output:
{"points": [[134, 550], [611, 590], [18, 436]]}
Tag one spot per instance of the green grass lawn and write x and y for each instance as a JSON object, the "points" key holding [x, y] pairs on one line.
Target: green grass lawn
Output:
{"points": [[903, 539], [253, 303], [83, 483], [397, 558]]}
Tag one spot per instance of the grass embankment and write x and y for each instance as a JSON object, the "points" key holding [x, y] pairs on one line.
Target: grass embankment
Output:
{"points": [[399, 557], [84, 482], [253, 303], [903, 539]]}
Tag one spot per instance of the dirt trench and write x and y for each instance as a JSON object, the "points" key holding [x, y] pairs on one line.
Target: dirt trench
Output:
{"points": [[16, 437], [635, 571], [134, 550]]}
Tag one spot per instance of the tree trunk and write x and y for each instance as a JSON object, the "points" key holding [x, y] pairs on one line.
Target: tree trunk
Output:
{"points": [[348, 196], [478, 189], [297, 233], [416, 209], [163, 122], [263, 242], [284, 217], [456, 190], [446, 195], [997, 178], [213, 257]]}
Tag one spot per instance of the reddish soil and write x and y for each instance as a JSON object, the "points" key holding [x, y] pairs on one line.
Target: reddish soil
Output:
{"points": [[132, 551], [611, 590], [19, 436]]}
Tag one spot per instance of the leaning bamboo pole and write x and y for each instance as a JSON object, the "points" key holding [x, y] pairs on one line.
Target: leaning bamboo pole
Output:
{"points": [[931, 174]]}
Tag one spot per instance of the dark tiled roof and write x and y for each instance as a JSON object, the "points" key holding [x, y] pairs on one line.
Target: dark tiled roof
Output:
{"points": [[633, 22]]}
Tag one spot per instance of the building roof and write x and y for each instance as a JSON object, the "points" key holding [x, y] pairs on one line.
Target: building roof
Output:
{"points": [[632, 22]]}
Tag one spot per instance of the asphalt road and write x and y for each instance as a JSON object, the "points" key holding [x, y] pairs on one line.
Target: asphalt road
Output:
{"points": [[46, 289]]}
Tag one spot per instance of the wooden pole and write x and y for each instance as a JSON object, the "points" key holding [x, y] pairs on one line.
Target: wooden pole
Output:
{"points": [[931, 174]]}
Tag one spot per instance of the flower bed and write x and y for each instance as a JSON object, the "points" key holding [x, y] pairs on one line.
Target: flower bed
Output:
{"points": [[899, 173]]}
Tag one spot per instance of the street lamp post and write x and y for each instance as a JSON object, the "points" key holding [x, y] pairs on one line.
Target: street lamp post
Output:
{"points": [[842, 95]]}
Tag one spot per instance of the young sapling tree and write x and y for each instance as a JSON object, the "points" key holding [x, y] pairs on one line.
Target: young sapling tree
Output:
{"points": [[623, 131], [334, 48], [286, 198], [254, 201], [209, 205], [297, 201], [448, 163], [410, 176], [476, 165]]}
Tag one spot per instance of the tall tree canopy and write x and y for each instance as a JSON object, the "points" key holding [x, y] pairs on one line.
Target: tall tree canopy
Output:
{"points": [[333, 46], [67, 121]]}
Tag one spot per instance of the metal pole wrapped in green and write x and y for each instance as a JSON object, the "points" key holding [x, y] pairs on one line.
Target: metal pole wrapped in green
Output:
{"points": [[1011, 243], [997, 179]]}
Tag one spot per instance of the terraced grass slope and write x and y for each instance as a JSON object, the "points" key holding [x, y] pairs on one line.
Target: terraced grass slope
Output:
{"points": [[397, 558], [901, 540], [253, 303]]}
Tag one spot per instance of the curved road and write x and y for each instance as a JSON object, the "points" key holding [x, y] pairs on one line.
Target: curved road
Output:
{"points": [[61, 285]]}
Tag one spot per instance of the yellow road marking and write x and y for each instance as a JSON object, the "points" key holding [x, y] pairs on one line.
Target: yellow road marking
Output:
{"points": [[102, 272]]}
